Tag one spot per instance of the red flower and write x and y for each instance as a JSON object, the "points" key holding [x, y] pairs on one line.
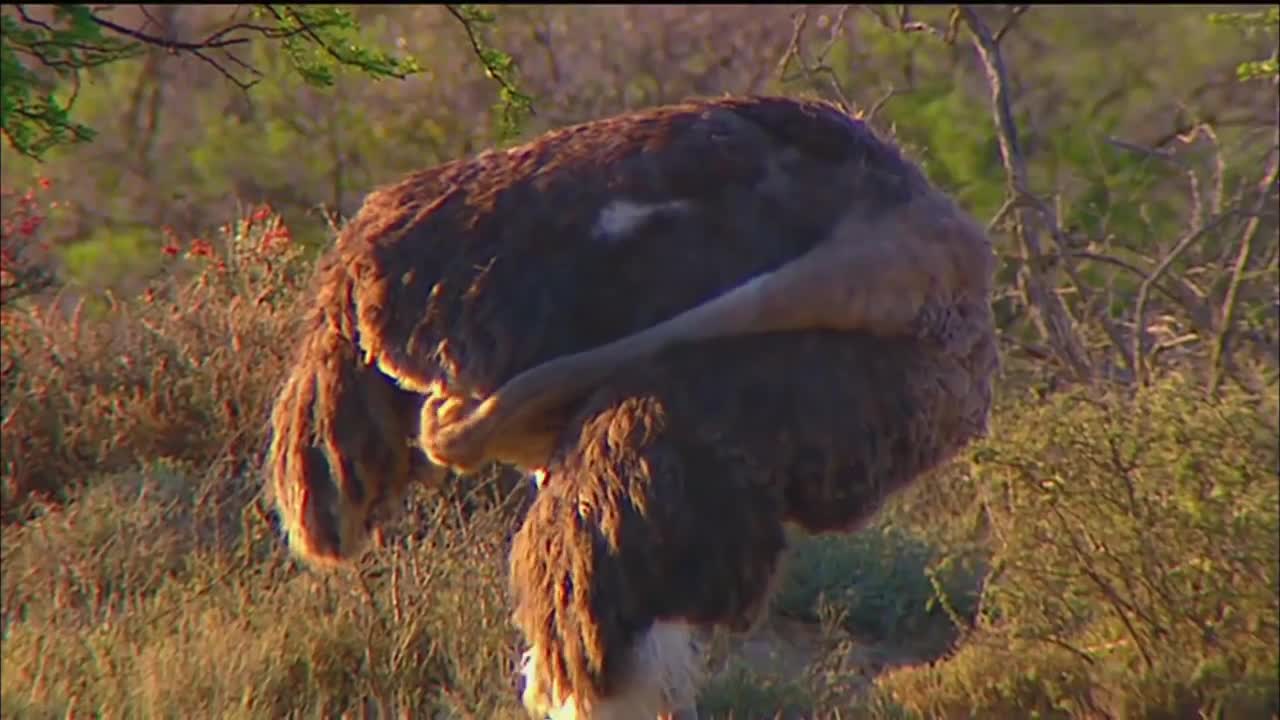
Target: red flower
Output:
{"points": [[278, 236], [45, 183], [29, 226], [262, 213], [171, 250], [200, 248]]}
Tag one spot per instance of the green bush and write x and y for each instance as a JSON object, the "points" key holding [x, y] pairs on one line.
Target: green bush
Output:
{"points": [[881, 584], [1133, 546]]}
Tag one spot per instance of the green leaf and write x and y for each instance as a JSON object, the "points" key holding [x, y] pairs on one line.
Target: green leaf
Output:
{"points": [[41, 60]]}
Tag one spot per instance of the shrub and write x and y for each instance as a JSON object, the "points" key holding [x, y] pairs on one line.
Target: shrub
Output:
{"points": [[24, 255], [185, 372], [882, 584], [1133, 545]]}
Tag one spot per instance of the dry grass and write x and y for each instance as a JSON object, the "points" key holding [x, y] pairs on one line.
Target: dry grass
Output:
{"points": [[111, 605]]}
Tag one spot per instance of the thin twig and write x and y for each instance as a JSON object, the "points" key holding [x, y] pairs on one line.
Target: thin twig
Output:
{"points": [[1155, 153], [836, 26], [163, 42], [793, 46], [1015, 13], [478, 50], [870, 115], [1124, 265]]}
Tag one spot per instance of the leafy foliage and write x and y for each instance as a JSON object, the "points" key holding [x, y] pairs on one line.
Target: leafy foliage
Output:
{"points": [[31, 116], [1262, 21], [881, 583], [317, 39], [513, 105]]}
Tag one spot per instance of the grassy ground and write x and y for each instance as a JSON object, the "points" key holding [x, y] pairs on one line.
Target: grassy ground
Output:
{"points": [[1106, 554], [160, 593]]}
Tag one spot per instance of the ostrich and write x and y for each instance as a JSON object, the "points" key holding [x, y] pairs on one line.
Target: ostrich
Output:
{"points": [[695, 324]]}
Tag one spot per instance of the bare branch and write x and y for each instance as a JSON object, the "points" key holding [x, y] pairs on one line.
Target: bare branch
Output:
{"points": [[880, 17], [870, 115], [151, 20], [793, 46], [1161, 154], [837, 26], [1229, 303], [1144, 291], [272, 33], [158, 41], [1037, 277], [1002, 213], [22, 13], [1015, 13], [795, 52], [242, 84], [1124, 265]]}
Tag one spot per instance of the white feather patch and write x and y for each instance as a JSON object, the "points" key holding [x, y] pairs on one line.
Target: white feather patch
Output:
{"points": [[621, 217]]}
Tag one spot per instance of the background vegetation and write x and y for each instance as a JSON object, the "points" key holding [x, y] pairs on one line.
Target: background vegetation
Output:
{"points": [[1111, 551]]}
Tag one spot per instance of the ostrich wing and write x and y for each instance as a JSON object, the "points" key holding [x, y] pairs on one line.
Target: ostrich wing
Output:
{"points": [[468, 273], [877, 277]]}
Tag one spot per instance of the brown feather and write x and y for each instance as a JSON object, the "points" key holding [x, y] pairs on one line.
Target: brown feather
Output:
{"points": [[341, 433]]}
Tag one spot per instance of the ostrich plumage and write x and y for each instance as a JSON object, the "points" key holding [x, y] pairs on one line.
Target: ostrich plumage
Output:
{"points": [[466, 294]]}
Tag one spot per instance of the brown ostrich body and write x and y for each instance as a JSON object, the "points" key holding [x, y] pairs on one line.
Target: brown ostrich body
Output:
{"points": [[700, 321]]}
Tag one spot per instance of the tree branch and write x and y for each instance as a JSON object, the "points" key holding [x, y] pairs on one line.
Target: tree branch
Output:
{"points": [[158, 41], [1037, 276], [1229, 303], [478, 49]]}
